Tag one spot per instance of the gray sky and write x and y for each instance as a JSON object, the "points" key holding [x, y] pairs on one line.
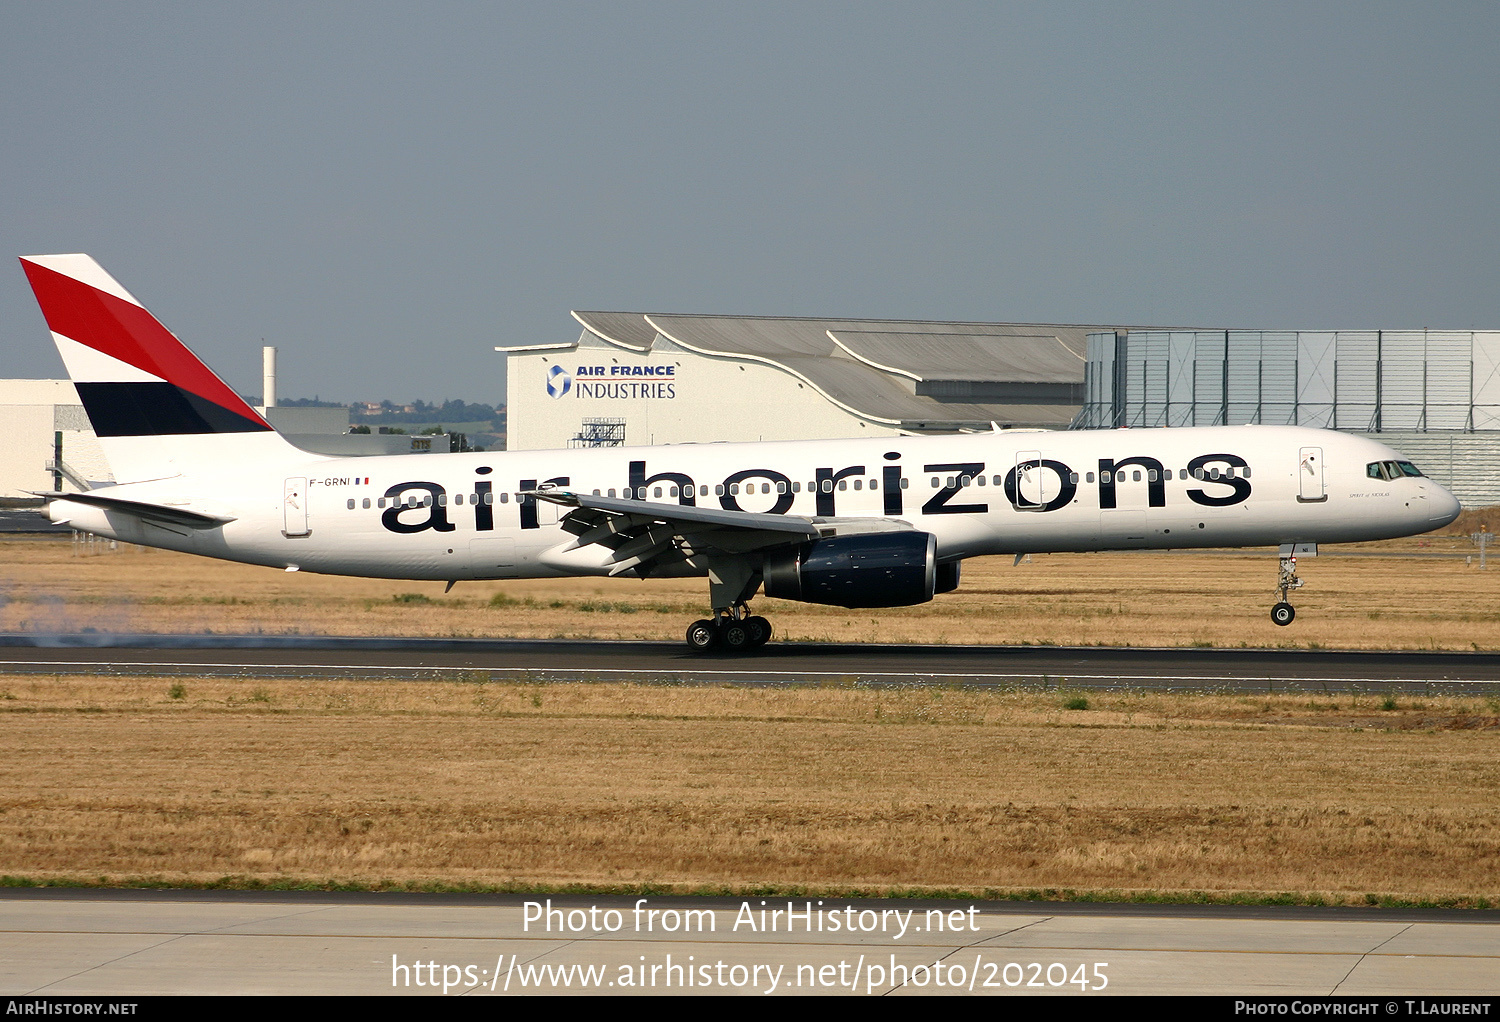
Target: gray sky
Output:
{"points": [[385, 191]]}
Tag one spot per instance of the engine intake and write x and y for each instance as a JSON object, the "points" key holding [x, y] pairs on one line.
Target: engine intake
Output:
{"points": [[886, 569]]}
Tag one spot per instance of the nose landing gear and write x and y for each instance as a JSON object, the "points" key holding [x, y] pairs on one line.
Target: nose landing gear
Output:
{"points": [[1283, 613]]}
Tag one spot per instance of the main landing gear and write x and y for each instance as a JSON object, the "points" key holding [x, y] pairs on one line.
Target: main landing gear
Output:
{"points": [[1284, 613], [734, 629]]}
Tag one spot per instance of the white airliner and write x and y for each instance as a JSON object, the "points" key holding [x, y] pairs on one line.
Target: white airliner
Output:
{"points": [[853, 523]]}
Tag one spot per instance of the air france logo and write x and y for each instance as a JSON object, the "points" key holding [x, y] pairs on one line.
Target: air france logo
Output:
{"points": [[558, 381]]}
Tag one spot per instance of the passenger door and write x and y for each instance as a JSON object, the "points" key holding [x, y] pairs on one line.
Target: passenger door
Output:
{"points": [[1310, 488], [294, 507]]}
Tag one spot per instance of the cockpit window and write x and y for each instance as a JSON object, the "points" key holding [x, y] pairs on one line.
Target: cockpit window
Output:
{"points": [[1392, 470]]}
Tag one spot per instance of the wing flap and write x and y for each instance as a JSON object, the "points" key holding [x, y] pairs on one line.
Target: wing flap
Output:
{"points": [[641, 535]]}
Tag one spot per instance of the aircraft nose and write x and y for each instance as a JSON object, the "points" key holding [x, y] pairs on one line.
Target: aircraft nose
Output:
{"points": [[1444, 506]]}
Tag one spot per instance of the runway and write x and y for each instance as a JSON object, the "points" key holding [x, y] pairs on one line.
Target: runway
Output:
{"points": [[74, 944], [542, 661]]}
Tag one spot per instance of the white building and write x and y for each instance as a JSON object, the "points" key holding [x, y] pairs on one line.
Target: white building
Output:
{"points": [[49, 444], [639, 379]]}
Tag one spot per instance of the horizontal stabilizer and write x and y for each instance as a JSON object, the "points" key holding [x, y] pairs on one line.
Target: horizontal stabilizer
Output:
{"points": [[147, 512]]}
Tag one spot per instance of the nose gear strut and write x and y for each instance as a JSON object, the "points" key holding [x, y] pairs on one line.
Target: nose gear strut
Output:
{"points": [[1284, 612]]}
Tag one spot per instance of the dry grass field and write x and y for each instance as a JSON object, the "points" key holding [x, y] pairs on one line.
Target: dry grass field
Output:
{"points": [[1393, 596], [609, 787]]}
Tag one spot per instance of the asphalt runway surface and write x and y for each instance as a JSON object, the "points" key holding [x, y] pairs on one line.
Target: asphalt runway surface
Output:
{"points": [[80, 943], [76, 943], [542, 661]]}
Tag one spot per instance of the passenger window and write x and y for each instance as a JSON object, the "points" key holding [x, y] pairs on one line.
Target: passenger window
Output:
{"points": [[1089, 477], [1198, 474], [671, 491], [996, 480], [858, 483], [1073, 478], [1229, 472], [596, 493], [610, 493], [718, 489], [703, 491], [1104, 477], [1135, 476], [489, 498], [351, 503], [874, 484], [656, 492], [366, 503], [765, 487], [950, 482], [1245, 471], [905, 483], [781, 486], [797, 487], [1151, 475], [380, 502], [965, 480], [827, 485]]}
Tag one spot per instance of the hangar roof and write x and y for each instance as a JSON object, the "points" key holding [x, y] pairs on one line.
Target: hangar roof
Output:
{"points": [[883, 369]]}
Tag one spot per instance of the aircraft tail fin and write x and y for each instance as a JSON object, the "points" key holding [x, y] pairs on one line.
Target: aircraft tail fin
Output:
{"points": [[157, 409]]}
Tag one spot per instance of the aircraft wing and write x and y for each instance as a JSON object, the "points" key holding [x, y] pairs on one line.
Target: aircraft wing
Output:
{"points": [[161, 513], [643, 534]]}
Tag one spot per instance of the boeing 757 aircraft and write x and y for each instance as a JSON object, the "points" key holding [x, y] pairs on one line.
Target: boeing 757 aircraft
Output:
{"points": [[852, 523]]}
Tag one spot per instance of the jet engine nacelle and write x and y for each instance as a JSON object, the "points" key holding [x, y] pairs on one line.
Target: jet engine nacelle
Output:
{"points": [[884, 569]]}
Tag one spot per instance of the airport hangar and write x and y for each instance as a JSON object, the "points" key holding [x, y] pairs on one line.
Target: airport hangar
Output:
{"points": [[640, 379]]}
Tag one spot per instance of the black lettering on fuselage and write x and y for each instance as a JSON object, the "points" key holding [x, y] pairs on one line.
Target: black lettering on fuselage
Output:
{"points": [[1239, 484], [528, 502], [824, 503], [783, 486], [892, 482], [1109, 477], [639, 481], [484, 514], [437, 513], [1065, 491], [939, 505]]}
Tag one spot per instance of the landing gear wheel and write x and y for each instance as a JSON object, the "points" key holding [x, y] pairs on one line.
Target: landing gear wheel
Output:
{"points": [[760, 630], [1283, 613], [736, 636], [703, 635]]}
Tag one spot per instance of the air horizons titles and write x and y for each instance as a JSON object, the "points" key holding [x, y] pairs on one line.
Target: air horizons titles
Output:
{"points": [[1221, 480]]}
